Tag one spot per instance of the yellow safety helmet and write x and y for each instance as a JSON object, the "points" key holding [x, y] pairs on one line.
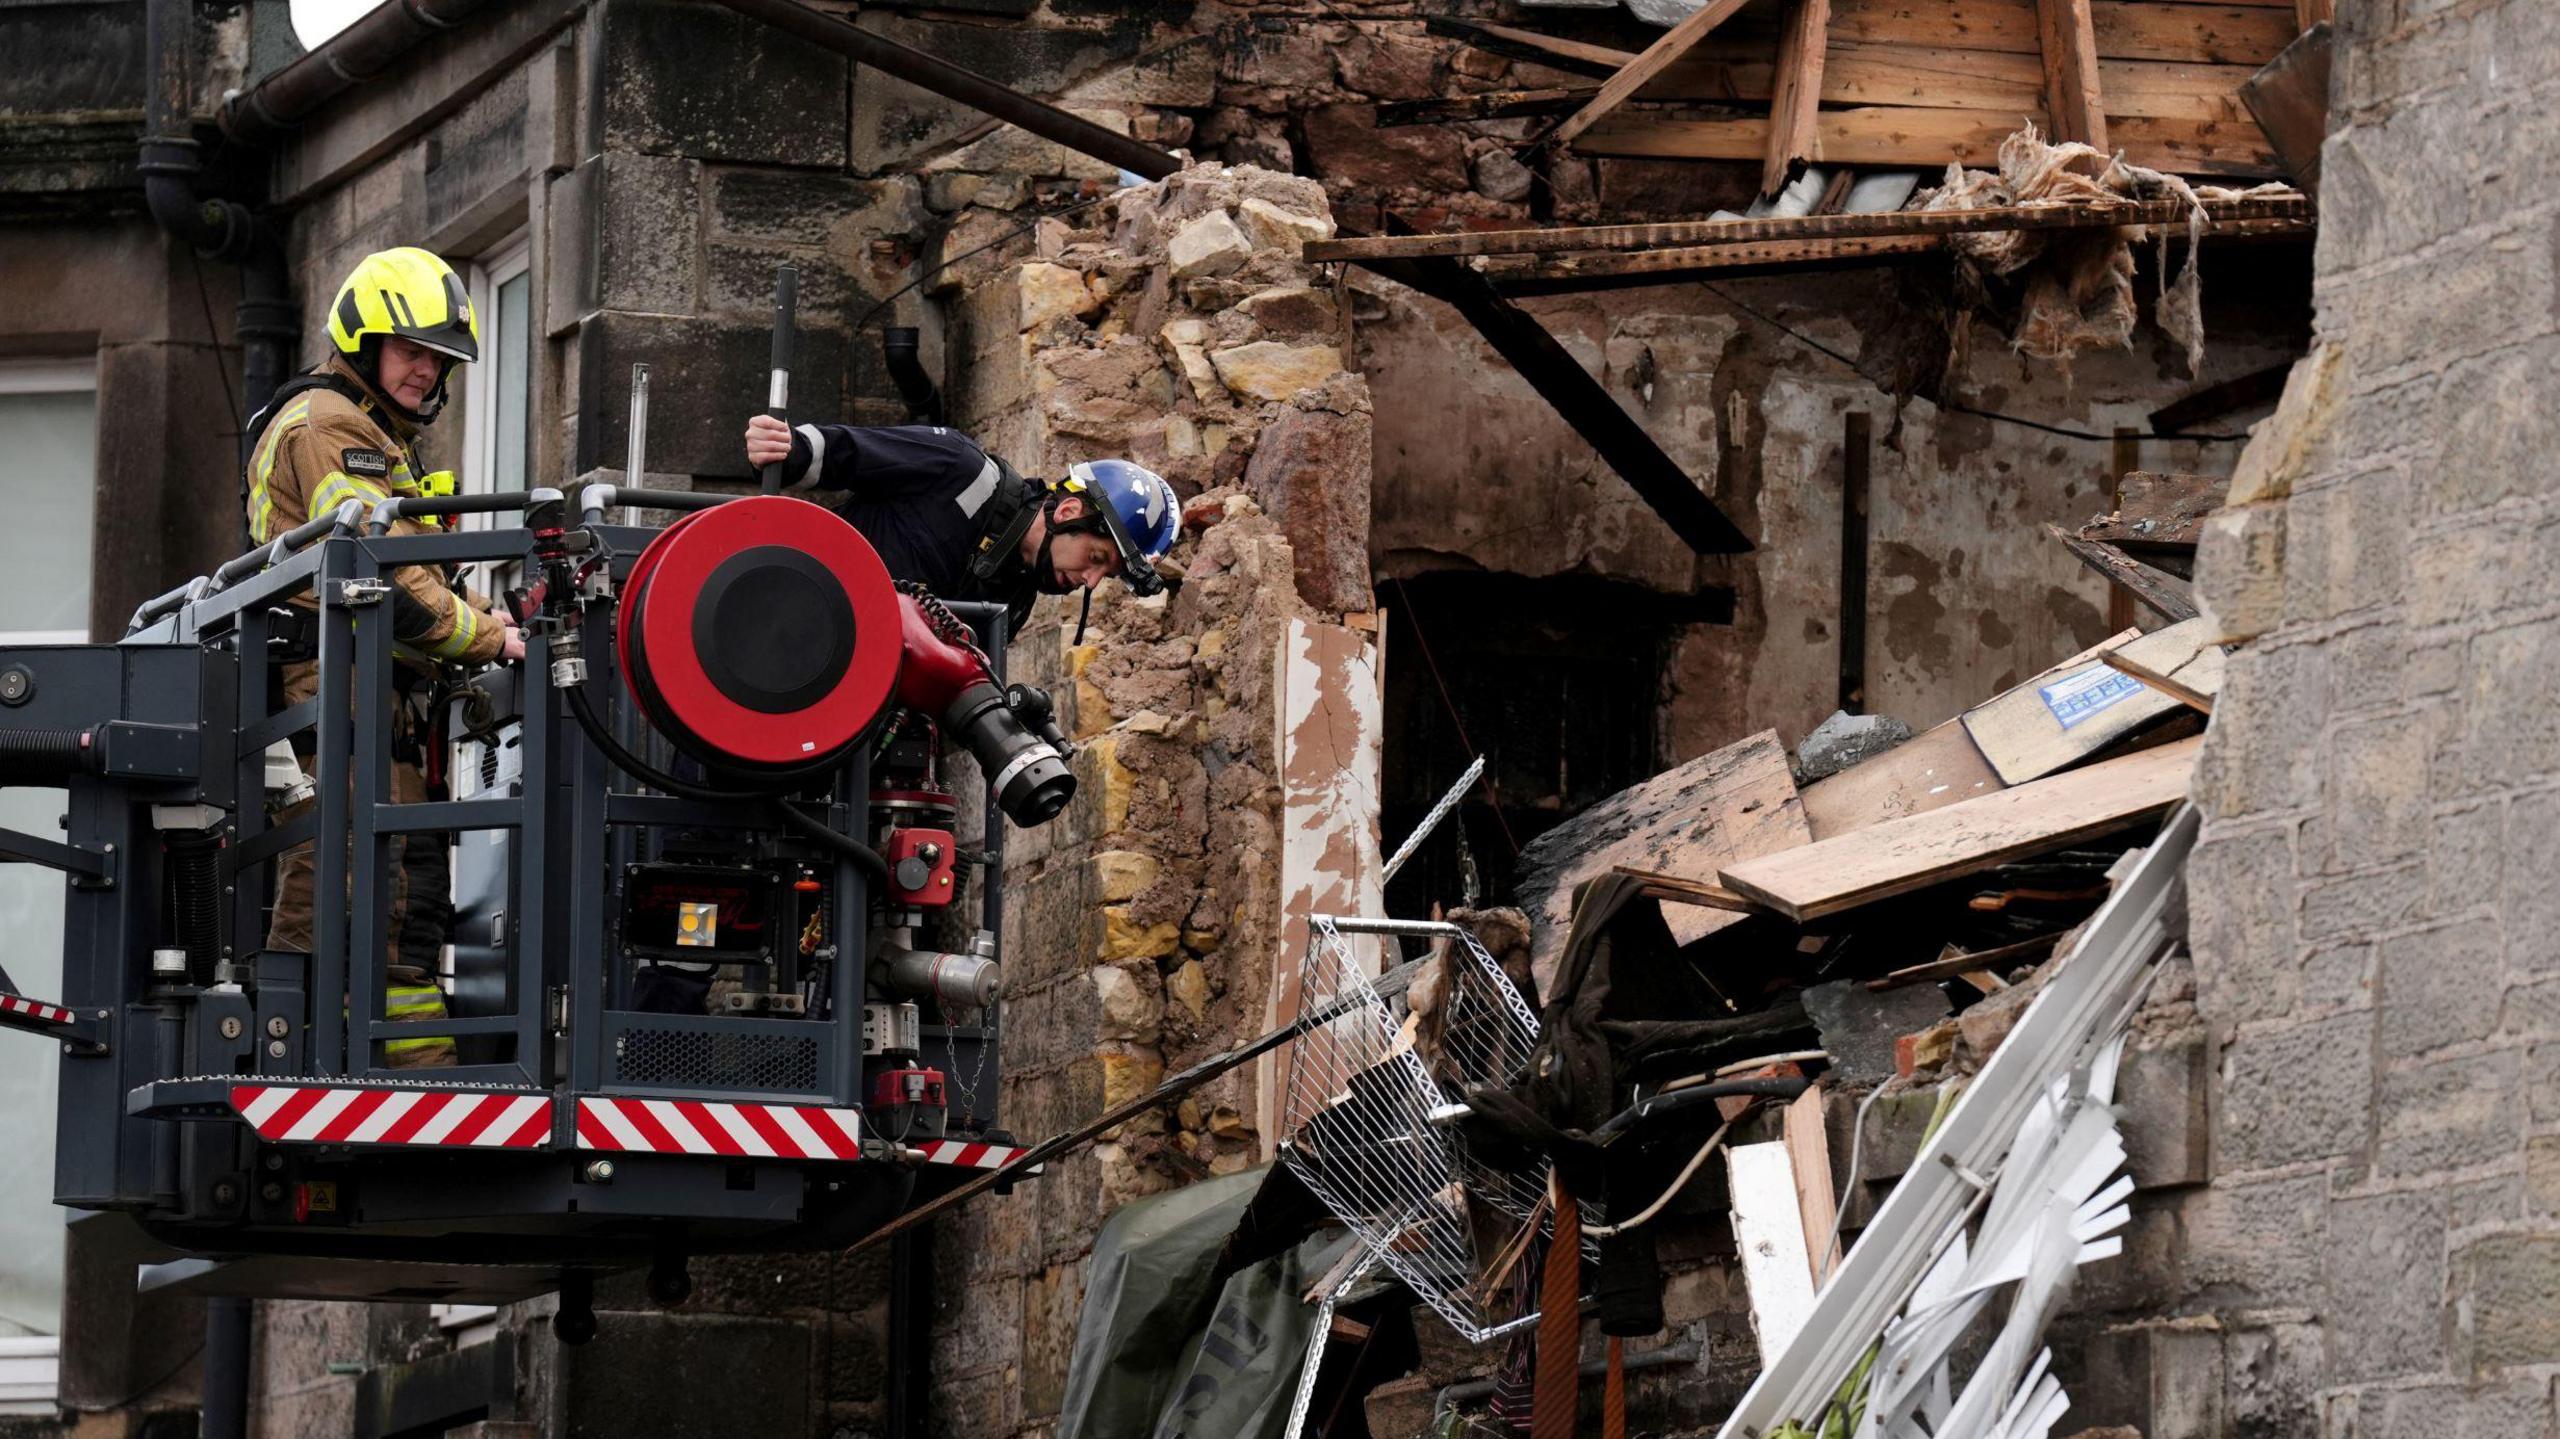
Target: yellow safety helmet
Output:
{"points": [[407, 292]]}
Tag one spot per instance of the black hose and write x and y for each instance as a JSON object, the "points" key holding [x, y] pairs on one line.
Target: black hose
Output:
{"points": [[1763, 1087], [45, 756], [195, 898], [863, 855]]}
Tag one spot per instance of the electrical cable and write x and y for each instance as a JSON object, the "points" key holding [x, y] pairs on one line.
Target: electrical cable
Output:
{"points": [[2064, 432], [1663, 1200]]}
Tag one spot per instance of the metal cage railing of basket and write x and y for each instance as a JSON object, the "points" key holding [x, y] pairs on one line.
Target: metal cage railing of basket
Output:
{"points": [[1373, 1101]]}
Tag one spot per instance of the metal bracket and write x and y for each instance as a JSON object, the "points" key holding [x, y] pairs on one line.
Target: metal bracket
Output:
{"points": [[88, 868], [34, 1016], [351, 593]]}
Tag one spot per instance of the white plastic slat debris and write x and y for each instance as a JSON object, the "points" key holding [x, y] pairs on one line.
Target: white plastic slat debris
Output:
{"points": [[2032, 1150]]}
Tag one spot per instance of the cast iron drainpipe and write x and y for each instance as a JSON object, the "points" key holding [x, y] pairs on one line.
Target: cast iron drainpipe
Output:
{"points": [[267, 326], [267, 321]]}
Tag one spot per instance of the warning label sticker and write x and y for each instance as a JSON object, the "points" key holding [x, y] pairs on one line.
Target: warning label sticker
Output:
{"points": [[2084, 694]]}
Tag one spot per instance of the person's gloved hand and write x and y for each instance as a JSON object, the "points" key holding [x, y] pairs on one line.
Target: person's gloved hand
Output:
{"points": [[513, 649], [768, 441]]}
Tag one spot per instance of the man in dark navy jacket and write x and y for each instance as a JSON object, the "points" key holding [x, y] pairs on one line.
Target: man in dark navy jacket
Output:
{"points": [[945, 513]]}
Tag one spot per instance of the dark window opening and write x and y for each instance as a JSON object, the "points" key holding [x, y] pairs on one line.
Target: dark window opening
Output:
{"points": [[1557, 681]]}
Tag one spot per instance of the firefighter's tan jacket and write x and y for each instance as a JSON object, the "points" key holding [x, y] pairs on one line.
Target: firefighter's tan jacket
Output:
{"points": [[322, 450]]}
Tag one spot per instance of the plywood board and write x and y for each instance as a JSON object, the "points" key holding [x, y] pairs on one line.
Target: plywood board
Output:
{"points": [[2057, 722], [1768, 1231], [1685, 823], [1899, 856], [1939, 768]]}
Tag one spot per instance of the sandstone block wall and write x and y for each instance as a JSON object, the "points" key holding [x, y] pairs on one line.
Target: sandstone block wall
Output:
{"points": [[1176, 325], [2373, 899]]}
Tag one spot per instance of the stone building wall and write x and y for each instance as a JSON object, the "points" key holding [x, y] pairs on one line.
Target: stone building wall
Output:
{"points": [[1177, 325], [2373, 898]]}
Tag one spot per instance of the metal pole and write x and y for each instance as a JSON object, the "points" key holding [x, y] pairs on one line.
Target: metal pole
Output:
{"points": [[1430, 821], [226, 1369], [786, 302], [635, 455]]}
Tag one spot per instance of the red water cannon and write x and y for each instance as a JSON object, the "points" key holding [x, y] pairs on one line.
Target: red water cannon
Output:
{"points": [[766, 639]]}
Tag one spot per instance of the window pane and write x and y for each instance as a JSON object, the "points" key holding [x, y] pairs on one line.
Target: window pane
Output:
{"points": [[30, 1225], [48, 473], [515, 379]]}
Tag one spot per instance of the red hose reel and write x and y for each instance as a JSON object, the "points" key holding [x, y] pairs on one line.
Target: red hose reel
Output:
{"points": [[763, 634]]}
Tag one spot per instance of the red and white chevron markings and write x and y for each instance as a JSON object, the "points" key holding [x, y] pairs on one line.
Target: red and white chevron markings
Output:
{"points": [[35, 1009], [693, 1126], [971, 1156], [360, 1114]]}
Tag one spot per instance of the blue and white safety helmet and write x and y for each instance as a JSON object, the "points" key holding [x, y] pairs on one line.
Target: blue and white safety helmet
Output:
{"points": [[1138, 510]]}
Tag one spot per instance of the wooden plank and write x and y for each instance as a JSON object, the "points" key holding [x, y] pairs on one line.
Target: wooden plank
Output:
{"points": [[1683, 824], [1899, 856], [2034, 730], [1808, 1144], [2307, 13], [1944, 78], [1558, 48], [2169, 597], [1695, 259], [2067, 39], [1572, 238], [1674, 42], [2176, 689], [1964, 962], [2290, 101], [2158, 510], [1689, 891], [1768, 1234], [1938, 768], [1911, 137], [2210, 34], [1792, 142]]}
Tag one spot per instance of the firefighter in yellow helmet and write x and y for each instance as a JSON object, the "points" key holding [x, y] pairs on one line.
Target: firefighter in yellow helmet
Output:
{"points": [[348, 430]]}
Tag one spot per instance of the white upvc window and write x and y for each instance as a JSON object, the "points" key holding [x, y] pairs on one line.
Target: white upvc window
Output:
{"points": [[49, 483], [498, 409]]}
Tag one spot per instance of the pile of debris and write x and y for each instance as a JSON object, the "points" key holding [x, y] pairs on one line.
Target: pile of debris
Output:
{"points": [[1874, 915], [1730, 966]]}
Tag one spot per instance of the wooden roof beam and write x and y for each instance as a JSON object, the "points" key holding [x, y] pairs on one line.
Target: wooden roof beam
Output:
{"points": [[1657, 57], [2068, 38], [1794, 136]]}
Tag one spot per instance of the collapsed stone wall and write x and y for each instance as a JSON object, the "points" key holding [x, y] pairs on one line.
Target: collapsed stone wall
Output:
{"points": [[2372, 897], [1177, 325]]}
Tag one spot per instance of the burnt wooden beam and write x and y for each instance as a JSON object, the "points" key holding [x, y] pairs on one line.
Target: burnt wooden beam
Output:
{"points": [[1578, 399], [1856, 449], [1566, 239], [2258, 387], [1492, 105], [2171, 598]]}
